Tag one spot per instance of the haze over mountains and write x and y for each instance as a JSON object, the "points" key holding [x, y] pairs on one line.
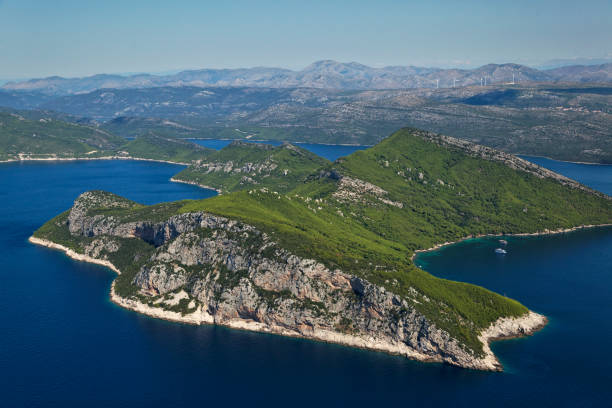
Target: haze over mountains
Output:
{"points": [[564, 113], [326, 74]]}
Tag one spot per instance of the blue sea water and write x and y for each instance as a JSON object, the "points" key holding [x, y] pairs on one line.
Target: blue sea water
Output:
{"points": [[598, 177], [330, 152], [64, 344]]}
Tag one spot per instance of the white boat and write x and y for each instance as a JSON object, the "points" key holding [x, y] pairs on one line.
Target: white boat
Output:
{"points": [[503, 242], [500, 251]]}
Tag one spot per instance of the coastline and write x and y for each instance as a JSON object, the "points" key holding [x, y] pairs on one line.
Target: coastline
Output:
{"points": [[90, 158], [117, 158], [510, 328], [274, 140], [522, 156], [193, 183], [521, 234], [503, 328], [199, 316], [72, 254]]}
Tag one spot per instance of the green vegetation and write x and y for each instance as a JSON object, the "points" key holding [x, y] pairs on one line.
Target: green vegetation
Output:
{"points": [[55, 230], [39, 135], [133, 255], [47, 137], [460, 195], [242, 165], [138, 212], [375, 240], [368, 213], [562, 121], [153, 147]]}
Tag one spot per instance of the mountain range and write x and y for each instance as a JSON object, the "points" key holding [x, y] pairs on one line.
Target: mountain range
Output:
{"points": [[563, 121], [325, 74]]}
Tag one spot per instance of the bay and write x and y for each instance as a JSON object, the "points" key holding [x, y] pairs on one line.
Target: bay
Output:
{"points": [[64, 344]]}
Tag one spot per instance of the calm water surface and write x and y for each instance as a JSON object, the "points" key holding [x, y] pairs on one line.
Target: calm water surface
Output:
{"points": [[598, 177], [64, 344]]}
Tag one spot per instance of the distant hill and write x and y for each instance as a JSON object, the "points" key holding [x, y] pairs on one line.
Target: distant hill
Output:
{"points": [[325, 74], [583, 73], [566, 62], [22, 99], [46, 138], [242, 165], [40, 135], [152, 147], [171, 102], [567, 122], [563, 121]]}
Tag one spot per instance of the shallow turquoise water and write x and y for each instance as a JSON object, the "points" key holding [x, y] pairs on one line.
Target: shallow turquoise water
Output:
{"points": [[64, 344]]}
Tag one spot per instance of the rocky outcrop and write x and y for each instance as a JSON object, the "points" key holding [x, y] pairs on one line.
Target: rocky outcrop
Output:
{"points": [[73, 254], [82, 222], [510, 160], [354, 190], [211, 269], [231, 167]]}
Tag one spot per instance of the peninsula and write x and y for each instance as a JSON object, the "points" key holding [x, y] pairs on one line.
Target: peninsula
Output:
{"points": [[326, 252]]}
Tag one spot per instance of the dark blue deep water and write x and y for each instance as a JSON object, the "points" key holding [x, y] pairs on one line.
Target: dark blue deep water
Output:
{"points": [[64, 344], [598, 177]]}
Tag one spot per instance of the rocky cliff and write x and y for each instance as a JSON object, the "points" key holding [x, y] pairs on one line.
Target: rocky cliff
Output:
{"points": [[202, 268]]}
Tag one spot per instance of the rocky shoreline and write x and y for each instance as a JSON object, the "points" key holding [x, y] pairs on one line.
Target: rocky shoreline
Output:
{"points": [[193, 183], [72, 254], [200, 316], [508, 327]]}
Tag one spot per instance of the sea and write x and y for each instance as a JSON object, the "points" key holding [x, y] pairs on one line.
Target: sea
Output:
{"points": [[63, 343]]}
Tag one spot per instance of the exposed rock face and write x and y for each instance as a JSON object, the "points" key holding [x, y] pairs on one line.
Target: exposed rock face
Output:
{"points": [[80, 223], [229, 167], [352, 189], [98, 247], [232, 272]]}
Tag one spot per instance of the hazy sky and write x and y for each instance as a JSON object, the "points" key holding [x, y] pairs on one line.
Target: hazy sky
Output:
{"points": [[75, 38]]}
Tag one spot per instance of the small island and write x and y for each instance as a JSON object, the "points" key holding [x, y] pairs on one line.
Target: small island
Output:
{"points": [[299, 246]]}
